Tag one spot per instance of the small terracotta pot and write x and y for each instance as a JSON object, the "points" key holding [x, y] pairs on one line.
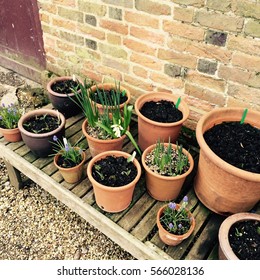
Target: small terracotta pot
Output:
{"points": [[40, 144], [11, 135], [150, 131], [109, 86], [97, 146], [225, 251], [169, 238], [164, 188], [73, 174], [221, 187], [113, 199], [61, 101]]}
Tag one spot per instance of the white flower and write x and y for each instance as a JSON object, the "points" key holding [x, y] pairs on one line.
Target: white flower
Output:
{"points": [[117, 129], [74, 78], [65, 141]]}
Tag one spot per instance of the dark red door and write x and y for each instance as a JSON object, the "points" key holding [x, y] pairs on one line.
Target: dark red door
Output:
{"points": [[21, 44]]}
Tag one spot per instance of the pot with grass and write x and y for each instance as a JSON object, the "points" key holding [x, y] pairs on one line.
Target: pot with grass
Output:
{"points": [[9, 117], [160, 116], [38, 127], [166, 167], [114, 175], [61, 95], [104, 130], [228, 176]]}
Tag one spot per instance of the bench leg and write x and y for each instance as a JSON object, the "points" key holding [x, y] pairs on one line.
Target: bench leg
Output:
{"points": [[14, 175]]}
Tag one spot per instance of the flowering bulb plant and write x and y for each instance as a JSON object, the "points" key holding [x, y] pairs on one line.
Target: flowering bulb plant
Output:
{"points": [[10, 115], [71, 155], [175, 218], [111, 123]]}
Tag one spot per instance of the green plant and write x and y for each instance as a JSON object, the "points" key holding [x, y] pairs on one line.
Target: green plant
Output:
{"points": [[10, 115], [175, 218], [71, 154], [111, 122], [168, 161]]}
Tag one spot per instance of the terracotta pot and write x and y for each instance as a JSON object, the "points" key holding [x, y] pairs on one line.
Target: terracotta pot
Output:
{"points": [[164, 188], [109, 86], [113, 199], [11, 135], [225, 251], [170, 238], [73, 174], [61, 101], [150, 131], [97, 146], [221, 187], [40, 144]]}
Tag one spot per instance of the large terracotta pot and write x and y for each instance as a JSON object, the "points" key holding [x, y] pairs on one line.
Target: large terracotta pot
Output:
{"points": [[113, 199], [11, 135], [40, 144], [221, 187], [225, 251], [150, 131], [73, 174], [61, 101], [109, 86], [97, 146], [164, 188], [170, 238]]}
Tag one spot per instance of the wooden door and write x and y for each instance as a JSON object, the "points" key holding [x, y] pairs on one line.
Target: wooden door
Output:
{"points": [[21, 43]]}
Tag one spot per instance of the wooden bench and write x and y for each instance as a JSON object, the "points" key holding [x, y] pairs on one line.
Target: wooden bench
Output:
{"points": [[135, 228]]}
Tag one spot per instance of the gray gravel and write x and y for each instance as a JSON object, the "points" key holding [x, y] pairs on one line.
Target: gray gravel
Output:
{"points": [[34, 225]]}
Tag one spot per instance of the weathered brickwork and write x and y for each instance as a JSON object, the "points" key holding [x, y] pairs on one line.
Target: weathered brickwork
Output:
{"points": [[207, 51]]}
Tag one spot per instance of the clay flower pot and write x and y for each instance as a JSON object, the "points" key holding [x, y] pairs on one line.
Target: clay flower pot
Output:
{"points": [[225, 251], [113, 199], [73, 174], [11, 135], [221, 187], [40, 144], [150, 131], [170, 238], [61, 101], [164, 188], [97, 146], [108, 87]]}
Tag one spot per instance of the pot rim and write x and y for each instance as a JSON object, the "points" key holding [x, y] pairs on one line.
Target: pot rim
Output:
{"points": [[151, 96], [113, 153], [220, 114], [56, 79], [84, 125], [38, 112], [224, 231], [169, 178]]}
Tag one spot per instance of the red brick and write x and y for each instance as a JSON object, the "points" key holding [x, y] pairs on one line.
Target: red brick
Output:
{"points": [[245, 61], [107, 71], [146, 61], [166, 80], [142, 84], [183, 14], [112, 26], [121, 66], [67, 3], [234, 74], [139, 47], [63, 23], [140, 72], [153, 7], [246, 45], [91, 31], [147, 36], [244, 93], [183, 30], [141, 19]]}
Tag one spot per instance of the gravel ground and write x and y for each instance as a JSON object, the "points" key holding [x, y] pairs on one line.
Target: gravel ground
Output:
{"points": [[34, 225]]}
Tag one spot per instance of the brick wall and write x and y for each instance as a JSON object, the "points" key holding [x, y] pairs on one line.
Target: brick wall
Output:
{"points": [[205, 50]]}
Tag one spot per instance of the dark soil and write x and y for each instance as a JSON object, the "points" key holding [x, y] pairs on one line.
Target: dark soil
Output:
{"points": [[244, 239], [114, 171], [41, 124], [163, 111], [64, 86], [108, 95], [65, 163], [237, 144]]}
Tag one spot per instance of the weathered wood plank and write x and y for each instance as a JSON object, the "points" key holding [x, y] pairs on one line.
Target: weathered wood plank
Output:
{"points": [[14, 175]]}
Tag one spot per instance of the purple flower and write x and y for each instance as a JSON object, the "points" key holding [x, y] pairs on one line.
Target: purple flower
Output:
{"points": [[170, 225], [179, 226], [67, 148], [185, 199], [172, 205], [55, 138]]}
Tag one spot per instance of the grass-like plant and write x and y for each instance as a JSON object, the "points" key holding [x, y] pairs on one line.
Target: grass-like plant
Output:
{"points": [[169, 162], [112, 122], [10, 115]]}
